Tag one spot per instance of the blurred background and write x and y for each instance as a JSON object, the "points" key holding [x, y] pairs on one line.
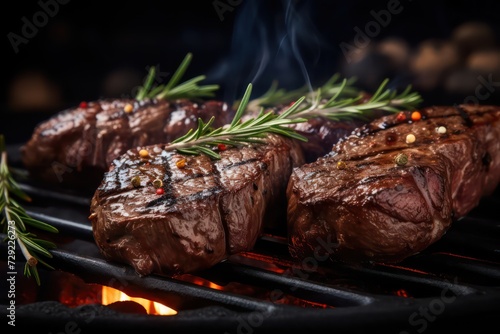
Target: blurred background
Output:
{"points": [[62, 52]]}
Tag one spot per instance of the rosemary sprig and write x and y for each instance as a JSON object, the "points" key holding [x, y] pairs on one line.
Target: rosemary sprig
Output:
{"points": [[340, 100], [339, 108], [275, 96], [172, 89], [253, 130], [15, 220]]}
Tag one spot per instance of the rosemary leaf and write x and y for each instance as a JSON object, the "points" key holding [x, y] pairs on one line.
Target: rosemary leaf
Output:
{"points": [[204, 138], [13, 211], [30, 271], [339, 107], [35, 247], [338, 99], [39, 224], [148, 83], [173, 89]]}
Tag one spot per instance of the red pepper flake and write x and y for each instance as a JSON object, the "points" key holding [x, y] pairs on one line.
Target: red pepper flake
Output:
{"points": [[160, 191], [416, 116], [401, 117], [221, 147], [83, 105]]}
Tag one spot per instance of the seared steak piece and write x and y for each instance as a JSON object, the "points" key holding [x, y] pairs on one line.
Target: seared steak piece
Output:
{"points": [[322, 134], [204, 211], [363, 202], [76, 146]]}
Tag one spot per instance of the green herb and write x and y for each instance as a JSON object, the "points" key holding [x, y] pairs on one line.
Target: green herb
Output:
{"points": [[278, 96], [202, 139], [340, 100], [15, 220], [338, 108], [189, 89]]}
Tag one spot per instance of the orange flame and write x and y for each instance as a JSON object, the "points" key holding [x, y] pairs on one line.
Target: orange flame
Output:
{"points": [[111, 295]]}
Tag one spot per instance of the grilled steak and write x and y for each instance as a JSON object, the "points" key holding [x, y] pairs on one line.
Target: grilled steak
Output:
{"points": [[366, 204], [322, 134], [76, 146], [206, 209]]}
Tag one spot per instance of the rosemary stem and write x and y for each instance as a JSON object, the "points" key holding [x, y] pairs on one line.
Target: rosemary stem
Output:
{"points": [[396, 102], [32, 261], [181, 145]]}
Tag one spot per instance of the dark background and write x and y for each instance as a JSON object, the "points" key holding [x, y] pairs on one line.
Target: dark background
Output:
{"points": [[88, 50]]}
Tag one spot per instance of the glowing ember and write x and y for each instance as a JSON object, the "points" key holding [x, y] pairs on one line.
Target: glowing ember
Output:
{"points": [[201, 281], [402, 293], [111, 295]]}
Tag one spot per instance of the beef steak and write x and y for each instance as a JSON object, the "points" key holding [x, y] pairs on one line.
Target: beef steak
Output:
{"points": [[394, 187], [205, 211]]}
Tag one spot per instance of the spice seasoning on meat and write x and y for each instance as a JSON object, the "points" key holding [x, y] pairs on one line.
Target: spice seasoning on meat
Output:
{"points": [[410, 138], [181, 163], [441, 130], [401, 117], [341, 165], [416, 116], [144, 154], [128, 108], [401, 159], [136, 181], [157, 183]]}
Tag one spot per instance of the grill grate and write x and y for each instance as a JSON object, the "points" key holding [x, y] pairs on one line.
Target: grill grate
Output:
{"points": [[453, 284]]}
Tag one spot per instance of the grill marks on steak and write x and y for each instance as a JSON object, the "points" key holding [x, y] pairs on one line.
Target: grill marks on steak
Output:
{"points": [[376, 210], [210, 209], [76, 146]]}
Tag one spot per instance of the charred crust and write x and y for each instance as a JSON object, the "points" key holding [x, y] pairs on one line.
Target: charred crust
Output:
{"points": [[467, 120], [486, 160]]}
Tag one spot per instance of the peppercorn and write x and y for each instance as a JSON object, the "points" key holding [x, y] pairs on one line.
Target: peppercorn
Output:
{"points": [[401, 159]]}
